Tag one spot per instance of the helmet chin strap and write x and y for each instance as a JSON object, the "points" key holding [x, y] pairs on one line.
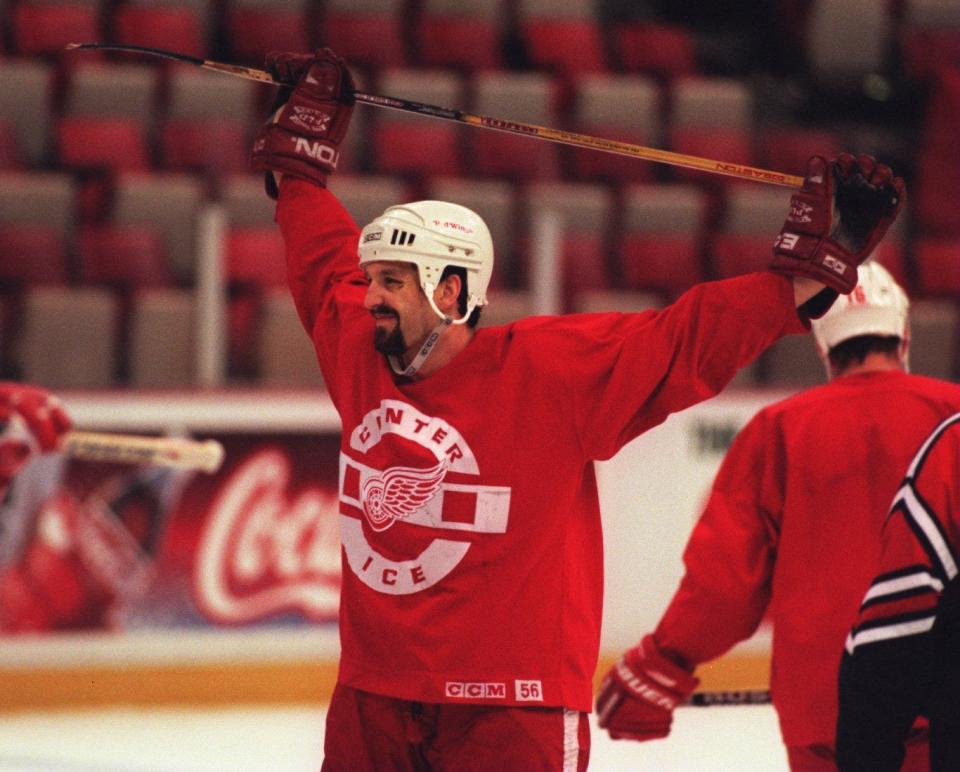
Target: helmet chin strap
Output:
{"points": [[432, 339]]}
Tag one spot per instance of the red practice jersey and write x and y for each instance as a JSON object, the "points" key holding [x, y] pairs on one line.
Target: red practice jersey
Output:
{"points": [[793, 525], [470, 519]]}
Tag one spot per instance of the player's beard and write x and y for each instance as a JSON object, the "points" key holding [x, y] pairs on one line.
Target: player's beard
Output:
{"points": [[389, 342]]}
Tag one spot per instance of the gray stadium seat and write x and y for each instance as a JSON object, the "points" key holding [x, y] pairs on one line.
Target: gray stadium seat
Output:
{"points": [[68, 337], [168, 202], [38, 198], [26, 89], [284, 351], [366, 197], [161, 345]]}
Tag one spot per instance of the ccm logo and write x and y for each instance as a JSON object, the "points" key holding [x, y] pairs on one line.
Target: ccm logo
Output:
{"points": [[834, 265], [317, 151], [476, 691]]}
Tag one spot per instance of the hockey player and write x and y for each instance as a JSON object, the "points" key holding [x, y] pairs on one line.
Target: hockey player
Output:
{"points": [[472, 574], [792, 529], [902, 659]]}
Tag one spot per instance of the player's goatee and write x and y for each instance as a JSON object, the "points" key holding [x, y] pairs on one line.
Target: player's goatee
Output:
{"points": [[389, 342]]}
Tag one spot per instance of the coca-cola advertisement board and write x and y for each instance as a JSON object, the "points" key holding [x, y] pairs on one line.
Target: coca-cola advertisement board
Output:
{"points": [[87, 545]]}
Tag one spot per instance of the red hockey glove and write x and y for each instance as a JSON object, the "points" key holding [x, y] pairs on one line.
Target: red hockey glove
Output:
{"points": [[309, 120], [31, 421], [843, 209], [638, 695]]}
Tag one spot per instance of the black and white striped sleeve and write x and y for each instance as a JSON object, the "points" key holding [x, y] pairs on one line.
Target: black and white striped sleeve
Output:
{"points": [[893, 656]]}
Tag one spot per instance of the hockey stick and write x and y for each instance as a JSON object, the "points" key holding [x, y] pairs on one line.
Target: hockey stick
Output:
{"points": [[513, 127], [204, 455], [735, 697]]}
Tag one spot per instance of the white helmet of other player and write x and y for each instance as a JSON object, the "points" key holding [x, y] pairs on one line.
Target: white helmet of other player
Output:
{"points": [[877, 306], [433, 235]]}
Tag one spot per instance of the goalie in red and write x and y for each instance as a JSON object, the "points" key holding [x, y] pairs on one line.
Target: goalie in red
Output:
{"points": [[792, 530], [472, 580], [69, 560]]}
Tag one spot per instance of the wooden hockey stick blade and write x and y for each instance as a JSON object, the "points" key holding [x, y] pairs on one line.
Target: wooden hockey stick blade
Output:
{"points": [[206, 455], [733, 697], [671, 158]]}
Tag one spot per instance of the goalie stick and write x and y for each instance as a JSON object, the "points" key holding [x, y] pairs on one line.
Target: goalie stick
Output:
{"points": [[206, 455], [740, 171]]}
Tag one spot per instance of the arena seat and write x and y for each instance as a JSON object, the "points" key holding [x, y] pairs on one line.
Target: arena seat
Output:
{"points": [[406, 143], [586, 218], [285, 355], [662, 51], [561, 35], [462, 34], [160, 347], [253, 28], [177, 27], [26, 104], [367, 33], [599, 102], [68, 337], [528, 97], [44, 27], [661, 235], [170, 203]]}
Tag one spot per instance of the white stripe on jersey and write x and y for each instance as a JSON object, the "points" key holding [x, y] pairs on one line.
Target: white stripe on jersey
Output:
{"points": [[927, 524], [934, 436], [903, 583], [571, 740], [888, 632]]}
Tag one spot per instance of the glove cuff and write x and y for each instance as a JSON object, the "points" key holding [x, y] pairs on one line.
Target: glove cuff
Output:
{"points": [[651, 676], [795, 254]]}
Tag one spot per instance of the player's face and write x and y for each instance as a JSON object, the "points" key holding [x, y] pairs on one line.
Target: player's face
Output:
{"points": [[399, 307]]}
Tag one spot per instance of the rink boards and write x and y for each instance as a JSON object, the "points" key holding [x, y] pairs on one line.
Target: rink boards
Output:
{"points": [[221, 624]]}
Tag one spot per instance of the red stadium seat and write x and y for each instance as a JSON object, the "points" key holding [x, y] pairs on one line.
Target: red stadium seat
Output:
{"points": [[890, 253], [403, 143], [567, 46], [734, 254], [32, 254], [466, 42], [429, 148], [938, 266], [664, 51], [114, 144], [205, 145], [44, 27], [787, 149], [937, 161], [368, 40], [125, 257], [529, 97], [255, 257], [732, 145], [253, 30], [173, 27], [666, 263]]}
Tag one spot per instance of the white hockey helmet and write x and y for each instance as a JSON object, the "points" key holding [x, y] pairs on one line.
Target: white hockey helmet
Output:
{"points": [[877, 306], [433, 235]]}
